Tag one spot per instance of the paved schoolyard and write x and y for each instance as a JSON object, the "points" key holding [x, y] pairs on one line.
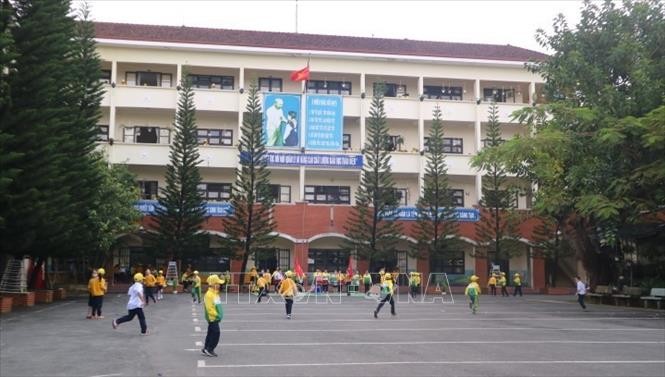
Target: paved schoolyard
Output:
{"points": [[528, 336]]}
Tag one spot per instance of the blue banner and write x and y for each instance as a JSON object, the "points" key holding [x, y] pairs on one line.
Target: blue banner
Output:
{"points": [[281, 120], [213, 209], [324, 122], [461, 214], [340, 161]]}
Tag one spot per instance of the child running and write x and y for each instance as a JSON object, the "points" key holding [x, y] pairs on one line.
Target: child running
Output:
{"points": [[288, 290], [212, 306], [387, 289], [473, 291], [134, 305]]}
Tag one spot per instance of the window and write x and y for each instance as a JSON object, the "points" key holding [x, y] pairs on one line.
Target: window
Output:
{"points": [[329, 87], [391, 90], [273, 258], [453, 93], [214, 263], [211, 81], [453, 145], [452, 263], [346, 142], [457, 197], [402, 195], [147, 135], [215, 192], [328, 259], [102, 132], [269, 84], [394, 142], [105, 77], [328, 194], [148, 189], [148, 79], [215, 137], [498, 95], [281, 194]]}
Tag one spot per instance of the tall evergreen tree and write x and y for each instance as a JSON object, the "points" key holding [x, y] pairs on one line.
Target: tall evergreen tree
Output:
{"points": [[38, 215], [371, 228], [250, 228], [436, 227], [497, 229], [8, 170], [181, 211]]}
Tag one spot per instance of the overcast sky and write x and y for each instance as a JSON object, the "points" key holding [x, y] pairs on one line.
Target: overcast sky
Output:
{"points": [[493, 22]]}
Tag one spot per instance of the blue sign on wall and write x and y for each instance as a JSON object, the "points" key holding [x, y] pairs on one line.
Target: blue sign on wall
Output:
{"points": [[461, 214], [324, 122], [340, 161], [281, 120], [213, 209]]}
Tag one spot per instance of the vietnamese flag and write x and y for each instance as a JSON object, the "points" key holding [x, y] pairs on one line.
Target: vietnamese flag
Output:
{"points": [[349, 270], [299, 271], [300, 75]]}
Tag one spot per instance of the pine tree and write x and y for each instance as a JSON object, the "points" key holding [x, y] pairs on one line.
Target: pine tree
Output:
{"points": [[38, 216], [181, 211], [251, 226], [371, 228], [436, 227], [496, 231]]}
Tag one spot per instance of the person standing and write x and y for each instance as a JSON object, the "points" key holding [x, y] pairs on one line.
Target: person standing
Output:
{"points": [[367, 281], [581, 291], [503, 283], [161, 283], [517, 280], [91, 303], [491, 284], [196, 288], [288, 290], [149, 282], [134, 305], [212, 305], [414, 283], [473, 291], [387, 289], [97, 287], [262, 284]]}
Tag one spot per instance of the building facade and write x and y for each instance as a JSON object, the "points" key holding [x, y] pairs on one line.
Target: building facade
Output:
{"points": [[314, 186]]}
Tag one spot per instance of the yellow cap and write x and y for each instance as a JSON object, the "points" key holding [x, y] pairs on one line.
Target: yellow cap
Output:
{"points": [[289, 273], [516, 274], [387, 275], [138, 277], [101, 271], [473, 278], [196, 272], [214, 279], [503, 274]]}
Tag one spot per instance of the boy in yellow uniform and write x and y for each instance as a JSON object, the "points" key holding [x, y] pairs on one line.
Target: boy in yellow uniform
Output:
{"points": [[473, 291], [149, 282], [491, 284], [212, 305], [268, 276], [503, 282], [196, 288], [387, 289], [288, 290], [367, 281], [97, 288], [262, 283], [91, 281], [517, 280], [161, 283], [414, 283]]}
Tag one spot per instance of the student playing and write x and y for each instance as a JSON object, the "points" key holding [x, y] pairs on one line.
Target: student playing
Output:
{"points": [[517, 280], [196, 288], [367, 281], [503, 282], [387, 289], [473, 291], [212, 305], [134, 305], [491, 284], [262, 283], [91, 302], [161, 283], [288, 290], [149, 282]]}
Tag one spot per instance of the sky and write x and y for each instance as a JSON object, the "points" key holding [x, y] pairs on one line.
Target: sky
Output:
{"points": [[491, 22]]}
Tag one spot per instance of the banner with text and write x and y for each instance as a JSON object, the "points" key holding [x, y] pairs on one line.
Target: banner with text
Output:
{"points": [[324, 122], [213, 209], [339, 161], [461, 214]]}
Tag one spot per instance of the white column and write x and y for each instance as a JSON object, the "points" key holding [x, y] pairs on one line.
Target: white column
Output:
{"points": [[302, 183], [421, 133], [362, 112], [114, 72], [476, 89], [532, 92], [241, 79], [362, 82], [421, 81], [241, 100], [479, 186], [178, 74], [477, 125], [112, 122]]}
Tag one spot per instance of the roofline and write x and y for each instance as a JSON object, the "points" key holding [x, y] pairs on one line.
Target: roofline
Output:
{"points": [[304, 53]]}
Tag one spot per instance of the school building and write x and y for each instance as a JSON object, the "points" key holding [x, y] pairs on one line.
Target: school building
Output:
{"points": [[315, 173]]}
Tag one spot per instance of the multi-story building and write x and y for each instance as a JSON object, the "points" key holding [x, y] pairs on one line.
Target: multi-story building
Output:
{"points": [[142, 68]]}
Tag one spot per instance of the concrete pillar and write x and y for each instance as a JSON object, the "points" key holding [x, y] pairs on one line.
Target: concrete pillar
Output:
{"points": [[112, 119], [532, 92], [362, 111], [114, 72], [301, 184], [479, 187], [476, 90], [178, 75]]}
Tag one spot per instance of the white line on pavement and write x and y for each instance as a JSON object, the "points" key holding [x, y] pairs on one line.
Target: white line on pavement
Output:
{"points": [[195, 319], [197, 329], [474, 319], [445, 329], [107, 375], [443, 342], [203, 364]]}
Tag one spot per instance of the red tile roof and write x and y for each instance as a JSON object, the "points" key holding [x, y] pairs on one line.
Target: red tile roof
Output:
{"points": [[317, 42]]}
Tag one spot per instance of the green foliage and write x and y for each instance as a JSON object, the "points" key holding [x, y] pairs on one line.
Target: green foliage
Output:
{"points": [[181, 211], [371, 230], [436, 228], [250, 228]]}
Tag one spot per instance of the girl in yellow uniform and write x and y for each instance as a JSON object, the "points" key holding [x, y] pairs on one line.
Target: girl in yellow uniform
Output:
{"points": [[97, 288], [387, 289], [288, 290], [149, 282], [196, 288], [473, 291], [161, 283], [213, 313]]}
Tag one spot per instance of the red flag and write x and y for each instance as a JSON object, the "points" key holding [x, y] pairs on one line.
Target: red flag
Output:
{"points": [[299, 271], [300, 75], [349, 270]]}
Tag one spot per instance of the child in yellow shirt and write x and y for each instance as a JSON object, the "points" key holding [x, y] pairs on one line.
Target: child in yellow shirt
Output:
{"points": [[473, 291]]}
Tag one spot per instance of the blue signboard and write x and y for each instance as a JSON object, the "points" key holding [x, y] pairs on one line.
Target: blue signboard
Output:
{"points": [[324, 122], [461, 214], [281, 120], [213, 209]]}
